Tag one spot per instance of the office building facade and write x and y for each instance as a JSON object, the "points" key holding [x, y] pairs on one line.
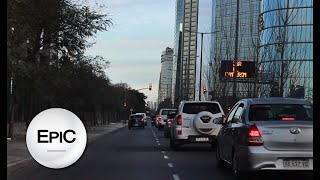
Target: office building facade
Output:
{"points": [[286, 51], [225, 12], [165, 81]]}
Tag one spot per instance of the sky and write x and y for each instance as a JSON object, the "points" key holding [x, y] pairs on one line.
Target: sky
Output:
{"points": [[141, 30]]}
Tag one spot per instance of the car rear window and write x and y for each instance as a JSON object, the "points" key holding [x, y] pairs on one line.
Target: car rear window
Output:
{"points": [[280, 112], [166, 112], [136, 116], [195, 108]]}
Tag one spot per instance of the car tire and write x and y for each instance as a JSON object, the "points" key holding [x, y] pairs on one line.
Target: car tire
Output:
{"points": [[166, 134], [129, 127], [143, 127], [220, 162], [235, 171], [159, 127], [173, 145]]}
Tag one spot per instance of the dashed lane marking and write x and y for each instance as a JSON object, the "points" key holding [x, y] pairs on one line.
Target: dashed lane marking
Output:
{"points": [[176, 177], [170, 165], [166, 157]]}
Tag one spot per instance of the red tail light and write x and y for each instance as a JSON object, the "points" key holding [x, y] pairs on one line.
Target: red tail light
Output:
{"points": [[254, 136], [288, 119], [169, 121], [141, 119], [179, 120], [179, 132]]}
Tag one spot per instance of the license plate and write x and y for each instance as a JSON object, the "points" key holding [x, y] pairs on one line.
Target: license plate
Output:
{"points": [[295, 163], [202, 139]]}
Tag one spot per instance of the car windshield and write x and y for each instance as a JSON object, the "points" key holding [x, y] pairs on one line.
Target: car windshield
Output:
{"points": [[195, 108], [282, 112], [136, 116], [166, 112]]}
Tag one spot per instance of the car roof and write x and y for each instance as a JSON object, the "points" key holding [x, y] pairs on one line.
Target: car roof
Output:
{"points": [[168, 109], [135, 114], [277, 100], [200, 102]]}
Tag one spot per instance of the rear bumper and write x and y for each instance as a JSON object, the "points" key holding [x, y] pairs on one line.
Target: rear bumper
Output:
{"points": [[255, 158], [136, 124], [193, 139]]}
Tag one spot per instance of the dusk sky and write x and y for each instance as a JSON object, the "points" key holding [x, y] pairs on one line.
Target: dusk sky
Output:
{"points": [[141, 30]]}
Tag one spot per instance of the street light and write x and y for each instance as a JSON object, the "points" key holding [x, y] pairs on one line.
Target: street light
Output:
{"points": [[202, 33]]}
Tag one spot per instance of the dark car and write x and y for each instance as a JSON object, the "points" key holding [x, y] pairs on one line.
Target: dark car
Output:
{"points": [[167, 126], [136, 120], [153, 119]]}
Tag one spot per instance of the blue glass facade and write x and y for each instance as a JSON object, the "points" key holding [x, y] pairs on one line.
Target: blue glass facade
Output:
{"points": [[176, 87], [286, 50]]}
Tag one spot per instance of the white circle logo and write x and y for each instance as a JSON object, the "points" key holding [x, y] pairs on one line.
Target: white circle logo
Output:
{"points": [[56, 138]]}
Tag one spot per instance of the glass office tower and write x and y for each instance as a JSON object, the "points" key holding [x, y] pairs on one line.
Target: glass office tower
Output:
{"points": [[286, 50]]}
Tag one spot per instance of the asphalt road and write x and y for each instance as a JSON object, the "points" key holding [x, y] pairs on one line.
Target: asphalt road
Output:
{"points": [[141, 154]]}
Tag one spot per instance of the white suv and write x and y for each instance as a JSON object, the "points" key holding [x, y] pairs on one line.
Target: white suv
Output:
{"points": [[196, 122], [161, 118]]}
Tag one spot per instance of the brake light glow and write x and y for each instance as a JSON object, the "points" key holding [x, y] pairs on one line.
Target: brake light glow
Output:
{"points": [[179, 120], [288, 119], [254, 137], [169, 121], [179, 132]]}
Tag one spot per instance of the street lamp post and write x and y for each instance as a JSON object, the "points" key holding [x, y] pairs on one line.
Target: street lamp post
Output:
{"points": [[202, 33], [235, 71]]}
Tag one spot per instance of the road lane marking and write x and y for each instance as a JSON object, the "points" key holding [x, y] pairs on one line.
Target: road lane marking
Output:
{"points": [[176, 177], [170, 165], [166, 157], [158, 144], [162, 151]]}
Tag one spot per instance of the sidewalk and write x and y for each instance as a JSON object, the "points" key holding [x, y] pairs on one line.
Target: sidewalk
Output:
{"points": [[18, 153]]}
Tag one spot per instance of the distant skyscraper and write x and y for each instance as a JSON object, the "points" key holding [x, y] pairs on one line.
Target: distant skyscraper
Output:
{"points": [[177, 65], [185, 49], [165, 83]]}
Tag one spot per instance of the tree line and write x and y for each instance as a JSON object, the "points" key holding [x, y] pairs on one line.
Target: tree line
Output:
{"points": [[47, 67]]}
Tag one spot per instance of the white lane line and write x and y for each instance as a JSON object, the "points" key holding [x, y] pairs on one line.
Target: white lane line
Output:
{"points": [[158, 144], [176, 177], [166, 157], [170, 165], [162, 152]]}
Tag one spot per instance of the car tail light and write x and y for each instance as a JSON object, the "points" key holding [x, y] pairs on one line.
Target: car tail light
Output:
{"points": [[158, 118], [288, 119], [179, 132], [169, 121], [254, 136], [141, 119], [179, 120]]}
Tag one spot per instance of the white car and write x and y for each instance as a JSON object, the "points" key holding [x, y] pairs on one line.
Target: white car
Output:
{"points": [[196, 122], [144, 117], [161, 118]]}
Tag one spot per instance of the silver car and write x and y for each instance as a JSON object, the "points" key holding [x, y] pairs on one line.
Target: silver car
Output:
{"points": [[267, 134]]}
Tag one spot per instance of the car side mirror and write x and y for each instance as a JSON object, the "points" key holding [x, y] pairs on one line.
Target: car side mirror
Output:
{"points": [[218, 120], [224, 120]]}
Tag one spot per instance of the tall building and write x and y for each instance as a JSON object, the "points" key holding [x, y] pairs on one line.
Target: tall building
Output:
{"points": [[177, 65], [185, 50], [165, 81], [225, 11], [287, 48]]}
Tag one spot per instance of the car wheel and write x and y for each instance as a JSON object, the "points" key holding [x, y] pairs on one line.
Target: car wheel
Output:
{"points": [[143, 127], [220, 162], [159, 127], [129, 127], [235, 171], [173, 145], [166, 135]]}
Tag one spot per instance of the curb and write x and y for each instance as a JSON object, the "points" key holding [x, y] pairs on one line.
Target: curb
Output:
{"points": [[13, 164]]}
